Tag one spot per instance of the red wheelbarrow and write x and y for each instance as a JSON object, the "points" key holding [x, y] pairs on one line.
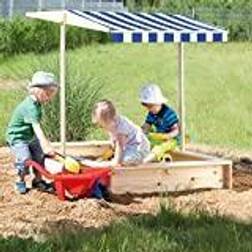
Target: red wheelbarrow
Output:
{"points": [[77, 185]]}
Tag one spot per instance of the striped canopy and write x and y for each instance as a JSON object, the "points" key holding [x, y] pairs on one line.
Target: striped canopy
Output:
{"points": [[138, 27]]}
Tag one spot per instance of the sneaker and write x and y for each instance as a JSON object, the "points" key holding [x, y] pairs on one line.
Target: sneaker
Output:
{"points": [[100, 192], [97, 191], [42, 186], [106, 194], [21, 187]]}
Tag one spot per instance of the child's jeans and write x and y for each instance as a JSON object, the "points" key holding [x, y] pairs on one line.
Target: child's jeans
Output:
{"points": [[25, 151], [133, 156]]}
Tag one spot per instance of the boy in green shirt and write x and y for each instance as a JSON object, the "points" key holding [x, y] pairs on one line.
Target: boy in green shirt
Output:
{"points": [[24, 134]]}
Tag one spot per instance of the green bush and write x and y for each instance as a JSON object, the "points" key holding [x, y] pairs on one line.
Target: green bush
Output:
{"points": [[21, 35], [81, 94]]}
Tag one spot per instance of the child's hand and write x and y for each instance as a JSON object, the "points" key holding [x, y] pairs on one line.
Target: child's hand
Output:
{"points": [[50, 152]]}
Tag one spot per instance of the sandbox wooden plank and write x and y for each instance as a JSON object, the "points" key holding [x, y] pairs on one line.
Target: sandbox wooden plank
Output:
{"points": [[90, 148], [151, 180]]}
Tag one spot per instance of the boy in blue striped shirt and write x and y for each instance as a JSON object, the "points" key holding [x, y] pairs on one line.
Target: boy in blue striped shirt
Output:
{"points": [[166, 136]]}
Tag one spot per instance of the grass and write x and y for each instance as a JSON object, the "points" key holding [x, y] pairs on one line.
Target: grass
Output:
{"points": [[8, 100], [169, 231], [218, 84]]}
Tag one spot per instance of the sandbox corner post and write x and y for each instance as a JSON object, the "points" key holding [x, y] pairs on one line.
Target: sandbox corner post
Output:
{"points": [[228, 176]]}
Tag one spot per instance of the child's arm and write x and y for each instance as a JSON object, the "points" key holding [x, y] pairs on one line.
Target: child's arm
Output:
{"points": [[173, 133], [119, 144], [45, 144], [146, 127]]}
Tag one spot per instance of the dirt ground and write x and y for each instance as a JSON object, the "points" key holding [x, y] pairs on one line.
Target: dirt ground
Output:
{"points": [[39, 214]]}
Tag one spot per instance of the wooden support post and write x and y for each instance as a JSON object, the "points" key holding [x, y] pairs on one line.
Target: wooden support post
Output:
{"points": [[181, 93], [62, 85], [11, 7], [63, 4], [40, 5], [83, 5], [227, 176], [100, 4]]}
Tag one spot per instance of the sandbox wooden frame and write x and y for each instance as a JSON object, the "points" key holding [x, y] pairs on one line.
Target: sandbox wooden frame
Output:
{"points": [[188, 171]]}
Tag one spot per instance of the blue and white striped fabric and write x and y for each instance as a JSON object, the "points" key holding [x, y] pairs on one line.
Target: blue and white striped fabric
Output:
{"points": [[152, 28]]}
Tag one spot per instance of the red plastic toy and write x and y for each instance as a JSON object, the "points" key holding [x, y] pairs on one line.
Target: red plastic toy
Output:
{"points": [[77, 185]]}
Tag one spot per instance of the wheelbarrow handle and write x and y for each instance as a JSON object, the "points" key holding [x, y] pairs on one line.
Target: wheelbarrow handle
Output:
{"points": [[55, 155], [39, 168]]}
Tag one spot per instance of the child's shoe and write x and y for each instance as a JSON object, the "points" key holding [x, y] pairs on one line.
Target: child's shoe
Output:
{"points": [[41, 185], [97, 191], [100, 192], [21, 187]]}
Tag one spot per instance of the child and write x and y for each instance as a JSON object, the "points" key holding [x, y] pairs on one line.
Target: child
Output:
{"points": [[163, 118], [24, 134], [130, 143]]}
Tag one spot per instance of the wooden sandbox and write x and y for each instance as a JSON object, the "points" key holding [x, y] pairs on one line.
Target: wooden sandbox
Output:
{"points": [[187, 171]]}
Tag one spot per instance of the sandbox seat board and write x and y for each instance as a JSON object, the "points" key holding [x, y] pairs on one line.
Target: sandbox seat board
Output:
{"points": [[187, 171]]}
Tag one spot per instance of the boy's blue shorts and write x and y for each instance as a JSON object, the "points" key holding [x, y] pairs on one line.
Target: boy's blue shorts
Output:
{"points": [[24, 152]]}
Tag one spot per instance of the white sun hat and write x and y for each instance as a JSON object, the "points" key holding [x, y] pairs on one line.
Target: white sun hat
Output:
{"points": [[43, 79], [152, 94]]}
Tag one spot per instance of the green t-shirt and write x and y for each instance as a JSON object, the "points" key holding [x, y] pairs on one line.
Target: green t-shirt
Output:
{"points": [[20, 126]]}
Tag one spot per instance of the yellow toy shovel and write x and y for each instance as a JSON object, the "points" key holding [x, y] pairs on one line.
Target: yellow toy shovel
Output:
{"points": [[70, 163]]}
